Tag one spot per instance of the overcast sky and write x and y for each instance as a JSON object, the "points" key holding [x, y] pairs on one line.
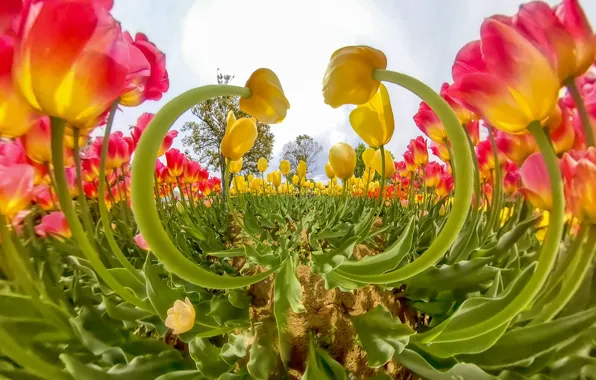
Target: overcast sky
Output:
{"points": [[295, 39]]}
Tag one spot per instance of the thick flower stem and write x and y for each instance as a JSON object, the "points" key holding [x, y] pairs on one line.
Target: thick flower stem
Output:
{"points": [[101, 200], [547, 255], [81, 197], [581, 110], [143, 205], [497, 200], [463, 185], [578, 268], [78, 232]]}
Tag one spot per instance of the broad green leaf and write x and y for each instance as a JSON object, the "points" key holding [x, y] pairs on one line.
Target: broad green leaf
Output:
{"points": [[241, 375], [123, 311], [236, 348], [325, 262], [417, 364], [224, 313], [161, 296], [262, 357], [207, 358], [321, 366], [382, 336], [385, 261], [233, 252], [240, 298], [250, 222], [183, 375], [266, 258]]}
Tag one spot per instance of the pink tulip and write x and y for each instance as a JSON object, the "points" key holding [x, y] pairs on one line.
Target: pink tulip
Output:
{"points": [[176, 161], [141, 242], [54, 224], [536, 183], [16, 188], [419, 150], [142, 124]]}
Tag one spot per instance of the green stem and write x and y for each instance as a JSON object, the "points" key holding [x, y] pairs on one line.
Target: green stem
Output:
{"points": [[547, 255], [27, 359], [144, 208], [81, 197], [463, 181], [181, 193], [101, 200], [497, 201], [581, 110], [57, 143]]}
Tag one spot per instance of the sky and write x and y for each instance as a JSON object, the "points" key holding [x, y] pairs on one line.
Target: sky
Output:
{"points": [[296, 39]]}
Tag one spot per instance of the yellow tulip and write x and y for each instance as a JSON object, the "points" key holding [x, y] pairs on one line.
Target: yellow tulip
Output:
{"points": [[349, 75], [262, 165], [389, 167], [368, 156], [295, 179], [373, 120], [251, 177], [343, 159], [267, 101], [329, 170], [276, 178], [236, 166], [181, 316], [285, 167], [270, 177], [239, 138], [301, 169]]}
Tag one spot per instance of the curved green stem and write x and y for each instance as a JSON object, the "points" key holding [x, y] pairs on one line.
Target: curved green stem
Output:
{"points": [[497, 200], [28, 360], [581, 110], [76, 228], [577, 271], [101, 200], [463, 181], [547, 255], [81, 197], [144, 207]]}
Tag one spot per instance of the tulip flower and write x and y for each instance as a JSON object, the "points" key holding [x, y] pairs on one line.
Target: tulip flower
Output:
{"points": [[560, 129], [16, 188], [91, 190], [516, 146], [9, 11], [54, 224], [411, 166], [373, 120], [142, 243], [37, 141], [427, 121], [44, 197], [445, 185], [389, 167], [176, 161], [239, 138], [433, 172], [142, 123], [301, 169], [267, 102], [71, 181], [155, 81], [349, 75], [295, 179], [118, 151], [484, 151], [504, 78], [16, 116], [440, 150], [236, 166], [78, 50], [463, 114], [579, 175], [329, 172], [262, 164], [285, 167], [535, 181], [181, 317], [368, 157], [191, 171], [401, 169], [473, 129], [419, 151], [511, 182], [276, 178], [12, 152], [342, 157]]}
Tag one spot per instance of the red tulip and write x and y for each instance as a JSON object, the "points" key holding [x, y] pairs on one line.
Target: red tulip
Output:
{"points": [[401, 169], [191, 172], [45, 197], [511, 182], [561, 131], [91, 190], [118, 150], [419, 151], [16, 188], [142, 124], [9, 11], [473, 129], [157, 82], [536, 183], [71, 180], [55, 225], [90, 167], [176, 161], [485, 154], [445, 185], [516, 146], [121, 190], [504, 78], [428, 122], [463, 114], [37, 143], [16, 117], [409, 160], [71, 61], [203, 175], [440, 150], [579, 175], [433, 173]]}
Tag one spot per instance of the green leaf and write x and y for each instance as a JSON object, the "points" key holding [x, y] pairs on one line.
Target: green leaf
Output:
{"points": [[417, 364], [250, 222], [262, 357], [207, 358], [183, 375], [287, 294], [266, 257], [381, 335], [236, 348], [233, 252], [325, 262], [224, 313], [129, 281], [123, 311], [320, 366], [161, 296], [240, 298], [385, 261]]}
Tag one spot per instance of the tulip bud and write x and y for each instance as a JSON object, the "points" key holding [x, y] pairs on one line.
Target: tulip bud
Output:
{"points": [[433, 173], [285, 167], [181, 317], [427, 121], [342, 157], [295, 179], [301, 169], [236, 166], [190, 175], [373, 120], [239, 138], [368, 157], [445, 185], [536, 182], [440, 150], [262, 165], [329, 170], [389, 167], [419, 151], [349, 75], [276, 178], [176, 161], [267, 101]]}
